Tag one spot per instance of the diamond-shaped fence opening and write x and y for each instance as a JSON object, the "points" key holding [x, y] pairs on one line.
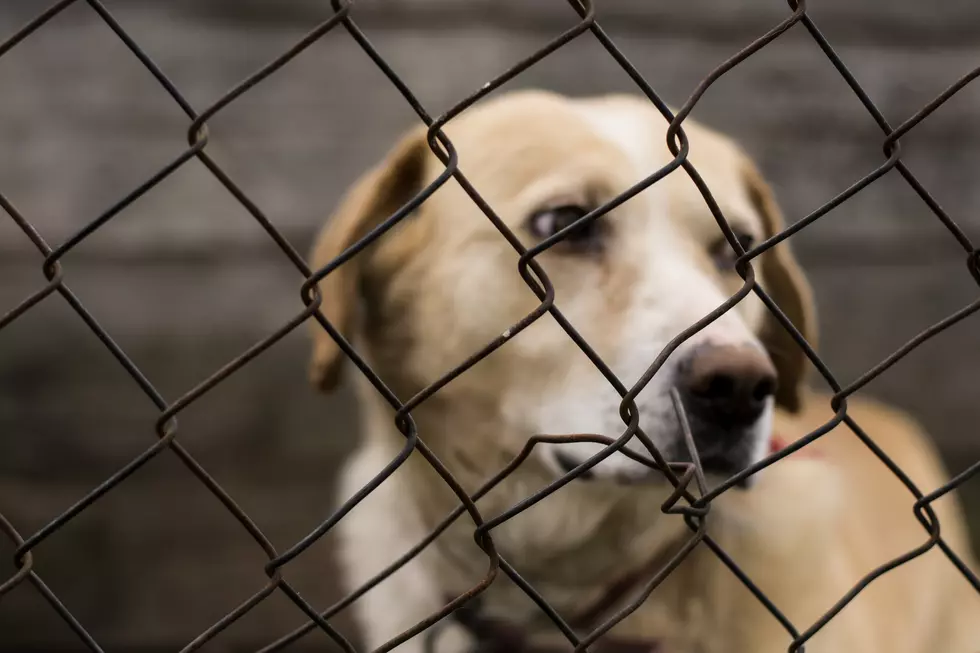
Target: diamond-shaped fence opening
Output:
{"points": [[54, 284]]}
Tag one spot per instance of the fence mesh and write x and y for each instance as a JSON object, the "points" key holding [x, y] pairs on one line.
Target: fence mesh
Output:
{"points": [[683, 501]]}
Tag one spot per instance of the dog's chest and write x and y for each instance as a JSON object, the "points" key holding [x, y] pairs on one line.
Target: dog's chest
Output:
{"points": [[666, 622], [573, 543], [585, 569]]}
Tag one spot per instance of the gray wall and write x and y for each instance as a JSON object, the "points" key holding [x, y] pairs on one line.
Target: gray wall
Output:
{"points": [[185, 279]]}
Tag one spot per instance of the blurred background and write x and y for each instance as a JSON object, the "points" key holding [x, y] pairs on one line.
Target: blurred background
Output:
{"points": [[185, 279]]}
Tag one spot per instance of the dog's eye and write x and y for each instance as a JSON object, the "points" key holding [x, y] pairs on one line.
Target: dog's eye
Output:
{"points": [[723, 254], [548, 222]]}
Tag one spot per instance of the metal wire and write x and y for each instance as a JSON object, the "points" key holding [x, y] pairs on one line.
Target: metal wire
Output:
{"points": [[682, 501]]}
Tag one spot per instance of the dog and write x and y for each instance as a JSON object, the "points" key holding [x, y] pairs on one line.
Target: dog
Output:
{"points": [[444, 283]]}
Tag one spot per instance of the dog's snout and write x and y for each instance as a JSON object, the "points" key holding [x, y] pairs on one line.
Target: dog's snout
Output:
{"points": [[727, 385]]}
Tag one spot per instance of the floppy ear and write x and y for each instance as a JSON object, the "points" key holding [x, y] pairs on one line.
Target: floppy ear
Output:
{"points": [[373, 198], [784, 282]]}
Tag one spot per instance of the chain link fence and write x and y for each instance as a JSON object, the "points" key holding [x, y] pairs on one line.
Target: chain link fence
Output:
{"points": [[693, 505]]}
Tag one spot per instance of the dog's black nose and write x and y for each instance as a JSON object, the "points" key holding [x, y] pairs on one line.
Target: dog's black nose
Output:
{"points": [[727, 386]]}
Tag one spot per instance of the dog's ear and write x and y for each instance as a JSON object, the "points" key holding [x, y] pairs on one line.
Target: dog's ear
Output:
{"points": [[373, 198], [783, 280]]}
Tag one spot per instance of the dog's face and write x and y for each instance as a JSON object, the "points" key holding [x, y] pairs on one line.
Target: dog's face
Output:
{"points": [[445, 282]]}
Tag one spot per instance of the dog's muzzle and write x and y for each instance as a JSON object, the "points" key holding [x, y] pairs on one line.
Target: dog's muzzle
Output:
{"points": [[725, 390]]}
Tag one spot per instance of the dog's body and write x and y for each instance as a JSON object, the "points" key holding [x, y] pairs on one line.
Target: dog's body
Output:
{"points": [[445, 283], [811, 528]]}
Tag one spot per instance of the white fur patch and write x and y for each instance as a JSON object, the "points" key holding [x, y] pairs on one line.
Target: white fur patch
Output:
{"points": [[632, 132]]}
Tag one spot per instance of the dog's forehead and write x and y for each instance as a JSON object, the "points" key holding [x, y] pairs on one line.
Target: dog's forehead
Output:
{"points": [[637, 129], [507, 143], [525, 130]]}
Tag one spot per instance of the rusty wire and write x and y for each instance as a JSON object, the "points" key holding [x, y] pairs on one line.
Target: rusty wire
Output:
{"points": [[682, 501]]}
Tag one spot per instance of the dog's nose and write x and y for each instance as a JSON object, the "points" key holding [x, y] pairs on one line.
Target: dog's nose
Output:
{"points": [[727, 385]]}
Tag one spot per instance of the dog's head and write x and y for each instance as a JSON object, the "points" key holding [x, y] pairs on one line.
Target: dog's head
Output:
{"points": [[445, 282]]}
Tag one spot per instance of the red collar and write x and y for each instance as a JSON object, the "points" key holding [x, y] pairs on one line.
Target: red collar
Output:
{"points": [[777, 444]]}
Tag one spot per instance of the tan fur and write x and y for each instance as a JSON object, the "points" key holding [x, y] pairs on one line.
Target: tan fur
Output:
{"points": [[787, 283], [444, 283]]}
